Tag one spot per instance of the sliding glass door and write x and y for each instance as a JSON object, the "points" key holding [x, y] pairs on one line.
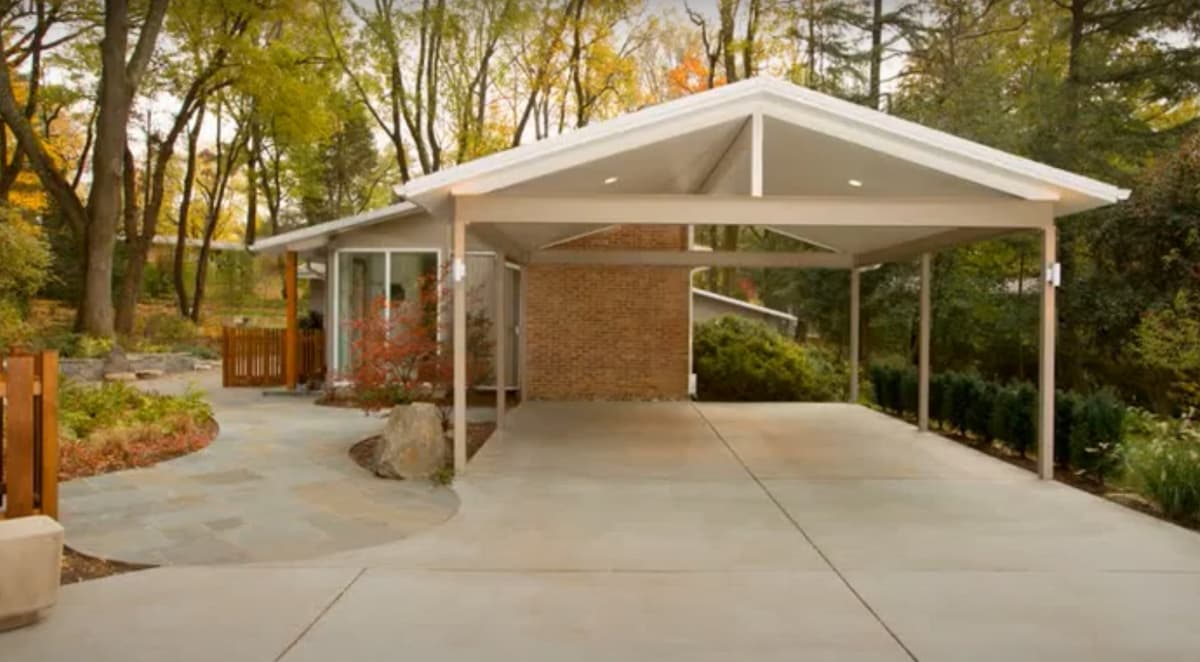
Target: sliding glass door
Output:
{"points": [[373, 281]]}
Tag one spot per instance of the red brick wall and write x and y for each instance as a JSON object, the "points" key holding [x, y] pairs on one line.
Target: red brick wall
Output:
{"points": [[609, 332]]}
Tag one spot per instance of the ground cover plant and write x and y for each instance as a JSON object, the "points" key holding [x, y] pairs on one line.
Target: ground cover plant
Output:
{"points": [[113, 426]]}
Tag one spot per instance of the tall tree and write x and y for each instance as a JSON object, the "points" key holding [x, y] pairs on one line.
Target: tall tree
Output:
{"points": [[96, 220]]}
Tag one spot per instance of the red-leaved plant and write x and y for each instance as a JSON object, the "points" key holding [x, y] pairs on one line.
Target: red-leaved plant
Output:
{"points": [[397, 357]]}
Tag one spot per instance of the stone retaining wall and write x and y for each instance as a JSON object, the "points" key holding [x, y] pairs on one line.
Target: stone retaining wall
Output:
{"points": [[92, 370]]}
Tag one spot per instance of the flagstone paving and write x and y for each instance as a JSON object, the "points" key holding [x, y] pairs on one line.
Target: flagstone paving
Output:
{"points": [[276, 484]]}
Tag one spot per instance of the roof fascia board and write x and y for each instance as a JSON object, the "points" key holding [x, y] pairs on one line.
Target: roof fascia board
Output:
{"points": [[743, 304], [304, 238]]}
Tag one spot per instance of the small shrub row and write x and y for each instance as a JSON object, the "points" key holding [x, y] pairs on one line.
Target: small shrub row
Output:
{"points": [[1089, 429], [737, 359]]}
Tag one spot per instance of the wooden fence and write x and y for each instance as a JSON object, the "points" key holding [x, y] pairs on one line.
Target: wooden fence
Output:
{"points": [[29, 422], [254, 356]]}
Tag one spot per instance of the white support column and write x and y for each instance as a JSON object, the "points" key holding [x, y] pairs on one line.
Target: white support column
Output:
{"points": [[855, 278], [756, 155], [1050, 277], [500, 354], [458, 274], [923, 349]]}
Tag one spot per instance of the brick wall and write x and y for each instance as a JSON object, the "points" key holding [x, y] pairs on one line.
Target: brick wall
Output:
{"points": [[609, 332]]}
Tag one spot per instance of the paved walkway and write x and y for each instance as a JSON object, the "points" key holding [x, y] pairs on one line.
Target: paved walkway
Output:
{"points": [[276, 484], [667, 531]]}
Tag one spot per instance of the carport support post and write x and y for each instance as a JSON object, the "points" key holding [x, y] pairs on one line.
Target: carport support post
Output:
{"points": [[1046, 354], [291, 334], [855, 278], [459, 277], [500, 357], [923, 349]]}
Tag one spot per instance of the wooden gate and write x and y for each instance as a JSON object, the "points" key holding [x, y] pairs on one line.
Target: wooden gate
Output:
{"points": [[255, 356], [29, 430]]}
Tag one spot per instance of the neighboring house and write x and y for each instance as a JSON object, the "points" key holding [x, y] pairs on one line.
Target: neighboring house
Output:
{"points": [[710, 305], [590, 232]]}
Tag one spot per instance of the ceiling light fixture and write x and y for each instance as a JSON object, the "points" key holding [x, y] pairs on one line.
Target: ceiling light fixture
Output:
{"points": [[855, 183], [611, 180]]}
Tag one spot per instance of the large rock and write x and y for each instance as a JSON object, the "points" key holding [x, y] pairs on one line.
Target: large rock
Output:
{"points": [[413, 445]]}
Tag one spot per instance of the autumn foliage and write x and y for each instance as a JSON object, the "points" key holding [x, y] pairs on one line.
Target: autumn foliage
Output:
{"points": [[398, 357]]}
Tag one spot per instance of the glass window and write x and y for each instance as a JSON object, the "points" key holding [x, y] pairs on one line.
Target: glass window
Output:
{"points": [[365, 281], [360, 288]]}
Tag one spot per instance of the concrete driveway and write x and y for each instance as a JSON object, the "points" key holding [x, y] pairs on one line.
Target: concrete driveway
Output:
{"points": [[668, 531]]}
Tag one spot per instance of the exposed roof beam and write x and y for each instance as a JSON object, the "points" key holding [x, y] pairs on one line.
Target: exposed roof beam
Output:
{"points": [[910, 250], [498, 240], [742, 210], [753, 259]]}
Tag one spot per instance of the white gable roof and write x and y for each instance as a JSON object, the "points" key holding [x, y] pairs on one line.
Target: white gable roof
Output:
{"points": [[786, 105]]}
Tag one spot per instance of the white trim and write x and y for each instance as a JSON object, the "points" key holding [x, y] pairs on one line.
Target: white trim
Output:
{"points": [[315, 235], [744, 304], [661, 258], [843, 211], [580, 235], [786, 102]]}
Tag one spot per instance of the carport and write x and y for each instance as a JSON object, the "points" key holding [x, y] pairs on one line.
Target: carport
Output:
{"points": [[858, 187]]}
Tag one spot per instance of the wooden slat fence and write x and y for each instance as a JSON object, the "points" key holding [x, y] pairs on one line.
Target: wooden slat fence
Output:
{"points": [[254, 356], [29, 423]]}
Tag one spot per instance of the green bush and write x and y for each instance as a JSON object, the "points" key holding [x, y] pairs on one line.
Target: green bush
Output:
{"points": [[740, 359], [1066, 410], [1014, 417], [165, 331], [87, 408], [80, 346], [1097, 431], [1165, 466], [1088, 430]]}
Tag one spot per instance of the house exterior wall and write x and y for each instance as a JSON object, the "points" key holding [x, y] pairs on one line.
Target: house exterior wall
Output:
{"points": [[705, 309], [609, 332]]}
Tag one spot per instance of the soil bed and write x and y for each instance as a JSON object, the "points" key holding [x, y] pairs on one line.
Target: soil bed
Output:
{"points": [[80, 459], [78, 567]]}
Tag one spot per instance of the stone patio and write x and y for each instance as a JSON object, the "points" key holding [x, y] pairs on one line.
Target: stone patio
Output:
{"points": [[276, 484]]}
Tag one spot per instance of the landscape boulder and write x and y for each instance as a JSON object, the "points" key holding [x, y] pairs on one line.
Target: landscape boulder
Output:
{"points": [[412, 445]]}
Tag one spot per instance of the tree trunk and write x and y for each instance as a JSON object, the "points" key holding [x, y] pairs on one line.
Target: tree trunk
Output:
{"points": [[137, 249], [876, 54], [185, 205]]}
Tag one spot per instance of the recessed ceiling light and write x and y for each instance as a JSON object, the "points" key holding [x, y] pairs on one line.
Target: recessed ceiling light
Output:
{"points": [[855, 183], [611, 180]]}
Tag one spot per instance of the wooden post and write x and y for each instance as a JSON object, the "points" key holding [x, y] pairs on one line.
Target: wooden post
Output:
{"points": [[1046, 355], [500, 354], [855, 278], [923, 350], [46, 369], [18, 432], [458, 275], [292, 335]]}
